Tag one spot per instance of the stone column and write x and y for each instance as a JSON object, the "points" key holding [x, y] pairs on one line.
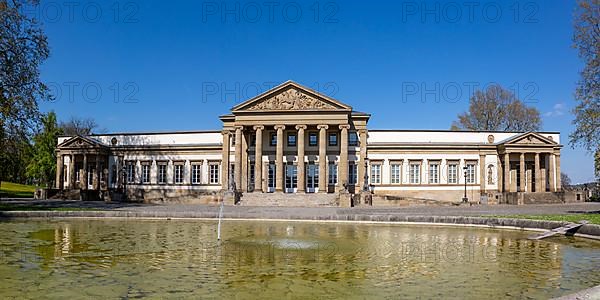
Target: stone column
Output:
{"points": [[538, 174], [362, 166], [245, 163], [557, 168], [500, 179], [552, 172], [84, 173], [301, 168], [322, 158], [279, 159], [543, 171], [522, 172], [238, 158], [97, 183], [343, 165], [72, 171], [507, 181], [225, 160], [482, 173], [258, 163], [59, 171]]}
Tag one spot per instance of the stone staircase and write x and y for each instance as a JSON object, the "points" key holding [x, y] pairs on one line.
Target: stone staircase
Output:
{"points": [[283, 199]]}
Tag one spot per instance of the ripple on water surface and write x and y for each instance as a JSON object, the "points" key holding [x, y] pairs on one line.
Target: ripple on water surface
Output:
{"points": [[135, 258]]}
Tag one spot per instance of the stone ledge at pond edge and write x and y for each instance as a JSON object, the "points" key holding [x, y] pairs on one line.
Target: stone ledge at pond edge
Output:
{"points": [[588, 230]]}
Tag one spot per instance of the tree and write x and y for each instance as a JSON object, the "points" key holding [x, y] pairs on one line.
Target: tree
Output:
{"points": [[23, 48], [565, 181], [42, 166], [587, 94], [497, 109], [80, 126]]}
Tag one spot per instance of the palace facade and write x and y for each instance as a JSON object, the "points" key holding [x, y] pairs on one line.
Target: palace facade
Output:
{"points": [[292, 141]]}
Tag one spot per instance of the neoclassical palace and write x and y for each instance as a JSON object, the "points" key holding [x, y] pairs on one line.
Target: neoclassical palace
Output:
{"points": [[292, 142]]}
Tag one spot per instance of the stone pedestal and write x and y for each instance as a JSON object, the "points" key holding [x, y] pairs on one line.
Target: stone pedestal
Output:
{"points": [[345, 199], [229, 198], [364, 198]]}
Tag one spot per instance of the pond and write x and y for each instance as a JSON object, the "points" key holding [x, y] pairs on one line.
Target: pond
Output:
{"points": [[118, 258]]}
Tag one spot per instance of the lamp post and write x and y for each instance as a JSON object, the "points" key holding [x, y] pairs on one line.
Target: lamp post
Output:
{"points": [[124, 173], [366, 177], [465, 199]]}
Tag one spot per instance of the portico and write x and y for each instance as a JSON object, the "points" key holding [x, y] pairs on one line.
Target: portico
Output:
{"points": [[293, 140], [529, 164]]}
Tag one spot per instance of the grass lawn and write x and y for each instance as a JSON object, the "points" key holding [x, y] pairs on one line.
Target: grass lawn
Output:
{"points": [[15, 190], [592, 218]]}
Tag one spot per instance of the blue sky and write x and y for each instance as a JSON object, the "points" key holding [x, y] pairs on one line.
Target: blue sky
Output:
{"points": [[162, 65]]}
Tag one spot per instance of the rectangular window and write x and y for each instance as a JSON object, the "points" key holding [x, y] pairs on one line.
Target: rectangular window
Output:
{"points": [[395, 171], [415, 173], [271, 176], [273, 141], [453, 173], [214, 173], [434, 173], [376, 174], [252, 140], [470, 173], [332, 174], [353, 139], [113, 178], [162, 173], [312, 139], [333, 139], [352, 173], [178, 173], [130, 172], [291, 140], [77, 172], [145, 173], [251, 171], [196, 173]]}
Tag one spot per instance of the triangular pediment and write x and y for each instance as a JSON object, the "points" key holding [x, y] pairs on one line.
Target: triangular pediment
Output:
{"points": [[80, 142], [291, 96], [529, 138]]}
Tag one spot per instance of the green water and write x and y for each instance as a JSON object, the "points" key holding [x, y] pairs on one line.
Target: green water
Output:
{"points": [[72, 259]]}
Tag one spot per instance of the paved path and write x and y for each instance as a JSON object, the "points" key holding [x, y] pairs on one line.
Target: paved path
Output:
{"points": [[310, 212]]}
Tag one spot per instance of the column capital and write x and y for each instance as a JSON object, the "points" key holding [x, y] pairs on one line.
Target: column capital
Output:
{"points": [[258, 127], [362, 131], [303, 127], [239, 128], [277, 127], [344, 126], [323, 127], [225, 132]]}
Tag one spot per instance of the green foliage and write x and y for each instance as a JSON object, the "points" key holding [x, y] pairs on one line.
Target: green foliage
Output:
{"points": [[497, 109], [42, 166], [23, 48], [586, 39]]}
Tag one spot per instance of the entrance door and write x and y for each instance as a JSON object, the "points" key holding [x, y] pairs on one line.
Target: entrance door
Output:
{"points": [[271, 179], [291, 178], [312, 178]]}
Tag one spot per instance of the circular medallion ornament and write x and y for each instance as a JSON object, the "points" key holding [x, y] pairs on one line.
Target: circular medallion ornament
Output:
{"points": [[113, 141], [490, 138]]}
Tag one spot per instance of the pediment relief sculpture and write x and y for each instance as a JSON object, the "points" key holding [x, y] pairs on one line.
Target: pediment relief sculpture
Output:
{"points": [[530, 140], [292, 99]]}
